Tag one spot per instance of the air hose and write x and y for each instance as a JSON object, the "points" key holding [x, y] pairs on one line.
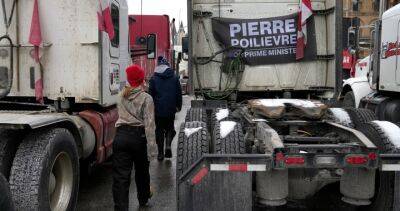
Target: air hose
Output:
{"points": [[232, 66]]}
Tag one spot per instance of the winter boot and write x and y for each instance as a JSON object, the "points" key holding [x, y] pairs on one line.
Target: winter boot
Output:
{"points": [[170, 136], [160, 146]]}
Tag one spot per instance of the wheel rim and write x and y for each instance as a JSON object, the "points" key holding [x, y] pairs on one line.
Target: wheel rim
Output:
{"points": [[61, 182]]}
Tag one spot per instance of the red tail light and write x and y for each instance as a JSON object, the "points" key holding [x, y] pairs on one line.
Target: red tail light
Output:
{"points": [[279, 156], [356, 159], [372, 156], [294, 160], [199, 176]]}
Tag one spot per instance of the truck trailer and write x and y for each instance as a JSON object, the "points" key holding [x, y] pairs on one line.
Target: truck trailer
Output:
{"points": [[61, 69], [263, 132]]}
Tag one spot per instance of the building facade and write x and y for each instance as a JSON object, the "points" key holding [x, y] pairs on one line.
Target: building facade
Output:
{"points": [[359, 17]]}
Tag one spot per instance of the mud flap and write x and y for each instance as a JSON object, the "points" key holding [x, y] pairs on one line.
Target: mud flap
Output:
{"points": [[217, 191], [220, 182]]}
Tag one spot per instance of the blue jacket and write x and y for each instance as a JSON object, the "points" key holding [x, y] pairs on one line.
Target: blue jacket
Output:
{"points": [[166, 91]]}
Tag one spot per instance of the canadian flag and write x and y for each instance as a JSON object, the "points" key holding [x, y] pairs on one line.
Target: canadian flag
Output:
{"points": [[35, 38], [305, 12], [105, 20]]}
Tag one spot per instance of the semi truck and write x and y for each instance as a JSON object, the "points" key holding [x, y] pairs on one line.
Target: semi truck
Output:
{"points": [[263, 132], [61, 67], [377, 86], [150, 27]]}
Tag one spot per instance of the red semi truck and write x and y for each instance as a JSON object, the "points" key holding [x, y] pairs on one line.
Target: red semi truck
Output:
{"points": [[148, 30]]}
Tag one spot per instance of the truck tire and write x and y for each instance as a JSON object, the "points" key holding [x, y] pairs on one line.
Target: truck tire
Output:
{"points": [[214, 121], [349, 100], [359, 116], [196, 115], [45, 171], [8, 147], [234, 143], [190, 149], [385, 181]]}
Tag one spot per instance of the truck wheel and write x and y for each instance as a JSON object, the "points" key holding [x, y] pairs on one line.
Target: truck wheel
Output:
{"points": [[359, 116], [214, 121], [8, 147], [349, 100], [191, 148], [384, 182], [196, 115], [45, 171], [233, 143]]}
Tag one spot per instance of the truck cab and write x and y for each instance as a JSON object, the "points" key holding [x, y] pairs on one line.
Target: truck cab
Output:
{"points": [[62, 66], [150, 37], [377, 89]]}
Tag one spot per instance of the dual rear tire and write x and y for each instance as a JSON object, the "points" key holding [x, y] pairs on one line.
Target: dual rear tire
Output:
{"points": [[45, 171], [384, 181], [221, 190]]}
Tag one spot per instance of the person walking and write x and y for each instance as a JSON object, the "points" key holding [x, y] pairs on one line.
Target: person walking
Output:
{"points": [[134, 141], [166, 91]]}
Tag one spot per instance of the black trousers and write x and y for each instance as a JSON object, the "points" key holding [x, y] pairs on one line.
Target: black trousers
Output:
{"points": [[165, 130], [130, 147]]}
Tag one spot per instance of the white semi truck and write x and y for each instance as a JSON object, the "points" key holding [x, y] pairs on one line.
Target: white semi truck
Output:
{"points": [[44, 147], [247, 143], [376, 86]]}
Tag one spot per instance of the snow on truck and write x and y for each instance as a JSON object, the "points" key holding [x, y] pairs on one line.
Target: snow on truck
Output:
{"points": [[61, 67], [259, 135]]}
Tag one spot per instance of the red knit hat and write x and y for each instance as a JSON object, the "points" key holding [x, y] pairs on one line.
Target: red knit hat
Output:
{"points": [[135, 75]]}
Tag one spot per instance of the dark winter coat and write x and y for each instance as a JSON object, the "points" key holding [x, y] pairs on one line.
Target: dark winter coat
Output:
{"points": [[166, 91]]}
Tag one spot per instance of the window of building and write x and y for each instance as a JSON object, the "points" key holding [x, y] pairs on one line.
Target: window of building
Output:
{"points": [[376, 5], [392, 3], [115, 19], [355, 5]]}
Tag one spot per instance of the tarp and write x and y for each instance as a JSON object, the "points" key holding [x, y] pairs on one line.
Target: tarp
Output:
{"points": [[266, 40]]}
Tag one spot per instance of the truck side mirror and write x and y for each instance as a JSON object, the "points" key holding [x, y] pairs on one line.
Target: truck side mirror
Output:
{"points": [[151, 46], [352, 38], [185, 45]]}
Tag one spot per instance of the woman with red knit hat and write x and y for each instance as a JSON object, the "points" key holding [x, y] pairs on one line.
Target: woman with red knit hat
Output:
{"points": [[134, 141]]}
